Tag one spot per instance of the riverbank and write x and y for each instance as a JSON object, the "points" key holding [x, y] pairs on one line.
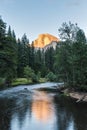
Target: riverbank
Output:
{"points": [[20, 81], [24, 81], [77, 95]]}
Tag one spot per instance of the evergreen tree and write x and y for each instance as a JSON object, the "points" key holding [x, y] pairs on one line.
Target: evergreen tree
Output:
{"points": [[49, 58], [68, 31], [9, 33], [7, 54], [23, 57], [71, 60], [32, 56], [19, 59], [38, 61], [2, 32], [80, 59], [2, 45], [62, 61]]}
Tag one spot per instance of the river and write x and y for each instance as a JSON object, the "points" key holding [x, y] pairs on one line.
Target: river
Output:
{"points": [[31, 109]]}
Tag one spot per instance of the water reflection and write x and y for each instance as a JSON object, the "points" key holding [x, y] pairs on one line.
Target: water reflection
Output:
{"points": [[33, 114], [5, 113], [42, 111], [70, 115], [42, 107]]}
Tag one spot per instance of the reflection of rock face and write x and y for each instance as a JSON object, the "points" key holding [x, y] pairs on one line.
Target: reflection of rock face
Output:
{"points": [[42, 107], [44, 39]]}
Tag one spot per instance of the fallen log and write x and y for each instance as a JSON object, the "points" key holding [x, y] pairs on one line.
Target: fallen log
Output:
{"points": [[81, 99]]}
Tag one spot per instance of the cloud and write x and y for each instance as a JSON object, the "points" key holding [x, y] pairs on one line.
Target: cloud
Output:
{"points": [[74, 2]]}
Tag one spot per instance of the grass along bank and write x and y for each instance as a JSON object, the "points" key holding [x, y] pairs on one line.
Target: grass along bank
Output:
{"points": [[23, 81]]}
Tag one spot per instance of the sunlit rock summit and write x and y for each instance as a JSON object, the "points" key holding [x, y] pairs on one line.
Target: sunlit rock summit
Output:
{"points": [[44, 40]]}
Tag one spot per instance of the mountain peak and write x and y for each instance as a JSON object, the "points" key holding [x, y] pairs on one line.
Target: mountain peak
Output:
{"points": [[44, 39]]}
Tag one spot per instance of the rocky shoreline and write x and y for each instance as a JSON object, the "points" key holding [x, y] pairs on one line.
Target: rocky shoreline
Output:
{"points": [[78, 96]]}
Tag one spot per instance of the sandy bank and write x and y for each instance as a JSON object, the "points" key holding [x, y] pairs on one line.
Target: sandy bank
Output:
{"points": [[79, 96]]}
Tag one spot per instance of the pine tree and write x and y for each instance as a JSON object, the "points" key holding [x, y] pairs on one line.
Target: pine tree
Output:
{"points": [[71, 59], [32, 56], [23, 55], [49, 58], [9, 33], [7, 54]]}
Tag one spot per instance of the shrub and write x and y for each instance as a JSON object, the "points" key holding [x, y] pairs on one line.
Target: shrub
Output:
{"points": [[51, 76], [34, 78], [29, 74]]}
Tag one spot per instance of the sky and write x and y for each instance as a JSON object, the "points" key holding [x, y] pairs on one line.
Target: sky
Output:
{"points": [[35, 17]]}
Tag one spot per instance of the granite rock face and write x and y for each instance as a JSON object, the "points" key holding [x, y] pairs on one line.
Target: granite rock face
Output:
{"points": [[44, 40]]}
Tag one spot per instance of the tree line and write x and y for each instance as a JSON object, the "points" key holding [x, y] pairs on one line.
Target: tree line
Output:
{"points": [[19, 58], [71, 57], [67, 63]]}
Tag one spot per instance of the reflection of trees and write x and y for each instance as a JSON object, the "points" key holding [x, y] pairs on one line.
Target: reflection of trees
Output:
{"points": [[41, 106], [80, 116], [23, 109], [10, 107], [62, 114], [5, 113], [67, 110]]}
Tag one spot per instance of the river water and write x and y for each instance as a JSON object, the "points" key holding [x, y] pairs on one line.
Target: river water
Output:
{"points": [[22, 109]]}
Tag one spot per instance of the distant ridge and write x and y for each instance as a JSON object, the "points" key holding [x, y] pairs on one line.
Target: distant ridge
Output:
{"points": [[44, 40]]}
